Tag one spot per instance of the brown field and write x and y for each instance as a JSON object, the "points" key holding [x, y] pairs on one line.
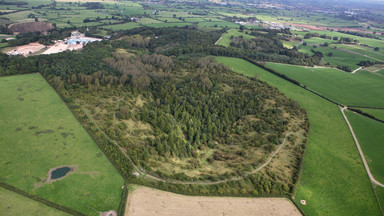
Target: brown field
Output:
{"points": [[61, 47], [31, 27], [146, 202], [323, 28], [26, 50]]}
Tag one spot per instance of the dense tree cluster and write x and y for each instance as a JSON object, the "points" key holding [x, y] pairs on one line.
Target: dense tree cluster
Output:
{"points": [[133, 93]]}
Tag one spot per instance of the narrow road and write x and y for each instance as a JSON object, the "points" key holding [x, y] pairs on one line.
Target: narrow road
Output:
{"points": [[299, 44], [373, 180], [357, 70], [218, 40]]}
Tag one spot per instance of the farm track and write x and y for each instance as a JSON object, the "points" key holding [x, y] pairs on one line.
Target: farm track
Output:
{"points": [[357, 70], [226, 180], [373, 180], [359, 54], [218, 40]]}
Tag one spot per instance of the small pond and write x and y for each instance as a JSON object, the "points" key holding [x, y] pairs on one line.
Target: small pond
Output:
{"points": [[60, 172]]}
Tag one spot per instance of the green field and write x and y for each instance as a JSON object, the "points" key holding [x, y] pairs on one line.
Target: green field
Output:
{"points": [[364, 51], [378, 113], [371, 138], [218, 24], [164, 25], [146, 21], [317, 40], [13, 204], [39, 133], [169, 19], [368, 41], [124, 26], [333, 181], [339, 57], [359, 89], [226, 37], [380, 195]]}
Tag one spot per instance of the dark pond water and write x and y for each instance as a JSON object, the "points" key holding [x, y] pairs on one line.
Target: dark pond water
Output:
{"points": [[60, 172]]}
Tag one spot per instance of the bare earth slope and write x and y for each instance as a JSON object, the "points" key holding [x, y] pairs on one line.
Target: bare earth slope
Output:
{"points": [[31, 27], [147, 201]]}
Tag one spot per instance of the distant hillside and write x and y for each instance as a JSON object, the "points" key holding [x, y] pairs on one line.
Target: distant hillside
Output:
{"points": [[31, 27]]}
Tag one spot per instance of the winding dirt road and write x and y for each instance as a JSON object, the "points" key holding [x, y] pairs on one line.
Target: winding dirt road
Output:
{"points": [[214, 182], [373, 180], [147, 175]]}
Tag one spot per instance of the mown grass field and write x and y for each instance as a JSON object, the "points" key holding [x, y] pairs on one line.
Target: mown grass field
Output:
{"points": [[39, 132], [13, 204], [378, 113], [333, 180], [359, 89], [124, 26], [371, 138], [226, 37]]}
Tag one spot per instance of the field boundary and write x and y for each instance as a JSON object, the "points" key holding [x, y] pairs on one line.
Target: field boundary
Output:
{"points": [[316, 93], [41, 200], [123, 201], [291, 80]]}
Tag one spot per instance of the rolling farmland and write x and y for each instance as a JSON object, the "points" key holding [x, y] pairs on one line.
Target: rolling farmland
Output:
{"points": [[332, 166]]}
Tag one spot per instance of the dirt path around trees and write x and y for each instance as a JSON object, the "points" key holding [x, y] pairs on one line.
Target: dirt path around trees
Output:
{"points": [[147, 175], [214, 182], [373, 180], [145, 201]]}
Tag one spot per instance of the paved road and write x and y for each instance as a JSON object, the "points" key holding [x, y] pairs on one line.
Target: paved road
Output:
{"points": [[360, 151]]}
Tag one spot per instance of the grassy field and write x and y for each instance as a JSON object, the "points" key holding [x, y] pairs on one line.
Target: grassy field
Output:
{"points": [[164, 25], [379, 114], [339, 57], [380, 195], [364, 51], [371, 138], [226, 37], [124, 26], [38, 133], [218, 24], [359, 89], [362, 40], [13, 204], [333, 181]]}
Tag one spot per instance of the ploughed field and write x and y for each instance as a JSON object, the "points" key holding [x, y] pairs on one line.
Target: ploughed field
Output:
{"points": [[40, 134], [145, 201]]}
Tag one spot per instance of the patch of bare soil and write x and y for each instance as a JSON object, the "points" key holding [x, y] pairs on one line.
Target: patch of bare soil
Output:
{"points": [[26, 50], [31, 27], [146, 202], [323, 28]]}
